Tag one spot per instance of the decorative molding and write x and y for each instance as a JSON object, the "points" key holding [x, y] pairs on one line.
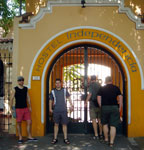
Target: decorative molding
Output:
{"points": [[97, 3], [131, 15]]}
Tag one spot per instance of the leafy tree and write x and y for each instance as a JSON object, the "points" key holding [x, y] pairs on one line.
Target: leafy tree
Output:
{"points": [[19, 5], [73, 75], [9, 9]]}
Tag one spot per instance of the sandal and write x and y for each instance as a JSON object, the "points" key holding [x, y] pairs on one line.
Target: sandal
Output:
{"points": [[105, 142], [54, 141], [101, 137], [111, 145], [66, 141], [96, 137]]}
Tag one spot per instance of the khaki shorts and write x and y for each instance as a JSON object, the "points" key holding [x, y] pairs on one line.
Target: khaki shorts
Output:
{"points": [[95, 113]]}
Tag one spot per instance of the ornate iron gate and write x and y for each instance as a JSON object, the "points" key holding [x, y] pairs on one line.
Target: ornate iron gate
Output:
{"points": [[74, 68], [5, 88]]}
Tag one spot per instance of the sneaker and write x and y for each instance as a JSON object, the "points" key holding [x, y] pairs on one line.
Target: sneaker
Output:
{"points": [[20, 141], [32, 140]]}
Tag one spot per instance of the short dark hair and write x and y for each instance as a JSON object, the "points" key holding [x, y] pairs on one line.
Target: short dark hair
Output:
{"points": [[93, 77], [58, 80], [20, 78]]}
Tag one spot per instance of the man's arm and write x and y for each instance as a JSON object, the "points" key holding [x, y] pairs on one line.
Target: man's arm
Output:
{"points": [[11, 100], [88, 98], [99, 100], [50, 106], [69, 99], [71, 105], [120, 102], [29, 103]]}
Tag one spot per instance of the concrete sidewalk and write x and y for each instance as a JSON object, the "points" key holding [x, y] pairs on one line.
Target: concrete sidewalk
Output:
{"points": [[78, 142]]}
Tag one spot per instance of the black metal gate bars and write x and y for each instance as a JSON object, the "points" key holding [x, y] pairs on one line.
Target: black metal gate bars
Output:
{"points": [[5, 89], [74, 67]]}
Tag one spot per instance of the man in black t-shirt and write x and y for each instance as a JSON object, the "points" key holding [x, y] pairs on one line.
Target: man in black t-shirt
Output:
{"points": [[23, 111], [110, 100]]}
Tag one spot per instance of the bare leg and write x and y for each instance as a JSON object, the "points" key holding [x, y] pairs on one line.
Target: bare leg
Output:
{"points": [[29, 129], [95, 127], [56, 128], [112, 134], [65, 131], [100, 126], [105, 130], [19, 130]]}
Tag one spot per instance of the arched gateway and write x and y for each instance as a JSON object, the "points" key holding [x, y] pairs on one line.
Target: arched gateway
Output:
{"points": [[84, 45]]}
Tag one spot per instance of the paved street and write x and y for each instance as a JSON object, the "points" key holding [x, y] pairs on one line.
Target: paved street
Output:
{"points": [[78, 142]]}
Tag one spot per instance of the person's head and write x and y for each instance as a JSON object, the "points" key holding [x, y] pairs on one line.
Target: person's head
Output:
{"points": [[20, 80], [93, 78], [58, 83], [108, 80]]}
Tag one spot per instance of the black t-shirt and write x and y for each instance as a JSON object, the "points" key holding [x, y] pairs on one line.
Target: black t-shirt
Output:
{"points": [[109, 94], [21, 97]]}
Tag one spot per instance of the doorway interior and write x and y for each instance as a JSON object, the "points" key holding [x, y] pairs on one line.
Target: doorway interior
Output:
{"points": [[74, 67]]}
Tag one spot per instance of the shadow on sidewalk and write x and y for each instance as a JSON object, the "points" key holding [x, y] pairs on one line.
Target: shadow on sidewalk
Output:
{"points": [[78, 142]]}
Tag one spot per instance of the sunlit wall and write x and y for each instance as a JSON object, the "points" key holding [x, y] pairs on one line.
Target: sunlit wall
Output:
{"points": [[34, 5]]}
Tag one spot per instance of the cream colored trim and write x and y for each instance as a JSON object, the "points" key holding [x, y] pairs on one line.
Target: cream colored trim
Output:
{"points": [[93, 41], [50, 4]]}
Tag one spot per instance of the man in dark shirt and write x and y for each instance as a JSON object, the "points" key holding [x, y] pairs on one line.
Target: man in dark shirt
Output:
{"points": [[58, 98], [108, 98], [23, 111], [95, 112]]}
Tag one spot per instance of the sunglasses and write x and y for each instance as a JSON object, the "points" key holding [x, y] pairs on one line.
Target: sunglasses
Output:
{"points": [[21, 80]]}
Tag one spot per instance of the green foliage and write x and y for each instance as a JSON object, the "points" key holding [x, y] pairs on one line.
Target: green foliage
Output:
{"points": [[72, 72], [7, 12], [17, 5], [6, 17], [73, 75]]}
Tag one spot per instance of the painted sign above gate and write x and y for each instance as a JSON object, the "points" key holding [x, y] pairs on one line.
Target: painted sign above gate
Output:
{"points": [[90, 34]]}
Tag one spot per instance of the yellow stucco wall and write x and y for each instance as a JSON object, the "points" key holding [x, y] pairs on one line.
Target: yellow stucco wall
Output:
{"points": [[35, 5], [29, 41]]}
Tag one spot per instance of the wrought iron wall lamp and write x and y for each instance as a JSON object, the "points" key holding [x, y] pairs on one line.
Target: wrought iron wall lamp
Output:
{"points": [[83, 3]]}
